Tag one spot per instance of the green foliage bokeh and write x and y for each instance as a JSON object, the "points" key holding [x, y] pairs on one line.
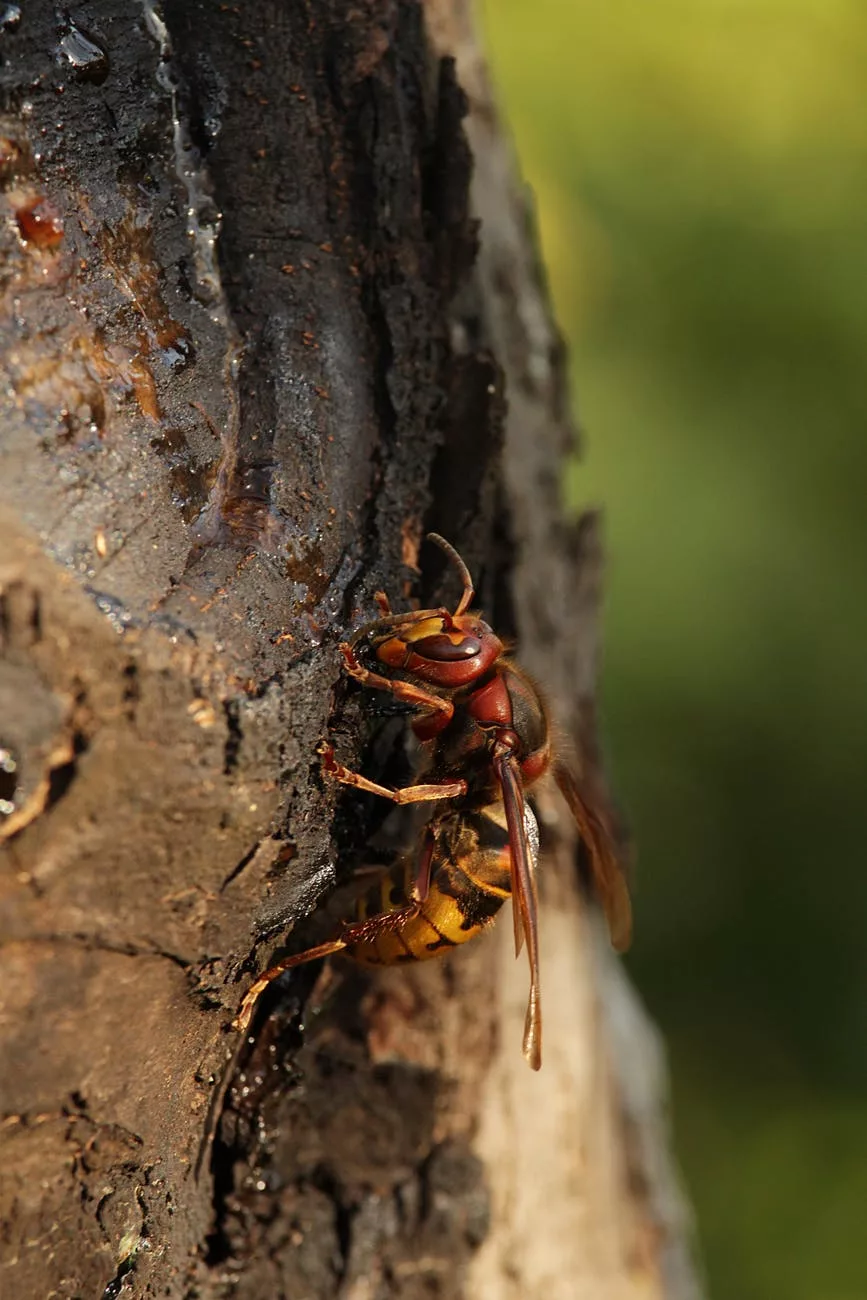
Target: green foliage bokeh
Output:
{"points": [[700, 171]]}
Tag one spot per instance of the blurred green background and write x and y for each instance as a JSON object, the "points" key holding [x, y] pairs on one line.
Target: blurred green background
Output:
{"points": [[700, 170]]}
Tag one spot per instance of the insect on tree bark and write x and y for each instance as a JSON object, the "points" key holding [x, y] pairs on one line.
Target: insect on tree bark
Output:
{"points": [[271, 311]]}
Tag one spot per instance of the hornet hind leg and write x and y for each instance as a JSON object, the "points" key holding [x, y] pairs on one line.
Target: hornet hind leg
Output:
{"points": [[362, 932]]}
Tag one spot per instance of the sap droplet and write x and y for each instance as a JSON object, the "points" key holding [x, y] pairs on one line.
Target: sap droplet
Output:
{"points": [[39, 223], [316, 632], [118, 616], [85, 56], [177, 352], [10, 156]]}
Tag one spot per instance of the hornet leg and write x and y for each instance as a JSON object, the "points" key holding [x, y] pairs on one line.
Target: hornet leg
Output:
{"points": [[362, 931], [409, 793]]}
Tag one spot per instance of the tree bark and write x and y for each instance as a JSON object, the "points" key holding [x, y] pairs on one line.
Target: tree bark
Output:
{"points": [[253, 348]]}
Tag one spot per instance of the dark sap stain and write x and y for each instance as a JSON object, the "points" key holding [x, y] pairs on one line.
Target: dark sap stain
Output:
{"points": [[191, 486], [170, 442], [129, 251], [307, 567]]}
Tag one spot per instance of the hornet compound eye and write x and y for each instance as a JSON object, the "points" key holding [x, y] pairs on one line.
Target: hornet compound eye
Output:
{"points": [[443, 649]]}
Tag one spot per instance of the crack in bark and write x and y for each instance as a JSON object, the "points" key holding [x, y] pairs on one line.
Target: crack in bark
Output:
{"points": [[236, 1143], [234, 735], [96, 943]]}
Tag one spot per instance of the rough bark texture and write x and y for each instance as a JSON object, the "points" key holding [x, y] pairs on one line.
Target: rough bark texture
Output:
{"points": [[249, 356]]}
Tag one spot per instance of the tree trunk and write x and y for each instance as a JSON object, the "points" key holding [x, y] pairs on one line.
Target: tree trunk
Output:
{"points": [[253, 348]]}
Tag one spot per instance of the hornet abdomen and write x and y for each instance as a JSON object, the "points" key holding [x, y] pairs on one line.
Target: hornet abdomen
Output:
{"points": [[470, 881]]}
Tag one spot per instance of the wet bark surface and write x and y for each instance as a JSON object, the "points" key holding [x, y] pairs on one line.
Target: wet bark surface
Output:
{"points": [[247, 362]]}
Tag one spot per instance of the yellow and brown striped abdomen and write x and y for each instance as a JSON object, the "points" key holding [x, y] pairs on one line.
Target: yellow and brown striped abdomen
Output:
{"points": [[470, 881]]}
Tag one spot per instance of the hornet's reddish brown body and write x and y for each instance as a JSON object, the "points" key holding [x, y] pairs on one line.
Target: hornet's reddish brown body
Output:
{"points": [[488, 738]]}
